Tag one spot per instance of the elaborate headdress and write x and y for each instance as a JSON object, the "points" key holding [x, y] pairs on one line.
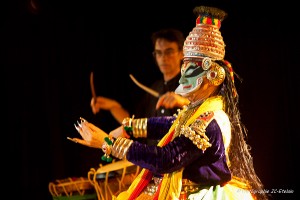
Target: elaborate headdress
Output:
{"points": [[205, 40], [205, 46]]}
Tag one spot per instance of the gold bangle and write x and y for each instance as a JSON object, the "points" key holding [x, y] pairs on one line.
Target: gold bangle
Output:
{"points": [[135, 129], [144, 128], [120, 147], [126, 148], [116, 144], [140, 128]]}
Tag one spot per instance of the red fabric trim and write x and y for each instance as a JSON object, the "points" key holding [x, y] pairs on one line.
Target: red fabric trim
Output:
{"points": [[142, 184], [157, 192]]}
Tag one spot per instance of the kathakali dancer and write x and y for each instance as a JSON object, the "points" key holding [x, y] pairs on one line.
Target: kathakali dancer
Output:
{"points": [[203, 153]]}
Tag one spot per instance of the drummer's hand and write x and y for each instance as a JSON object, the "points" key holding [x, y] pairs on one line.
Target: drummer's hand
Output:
{"points": [[91, 134], [103, 103], [170, 100]]}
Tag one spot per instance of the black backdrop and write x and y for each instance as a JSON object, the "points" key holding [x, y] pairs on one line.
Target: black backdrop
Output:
{"points": [[51, 46]]}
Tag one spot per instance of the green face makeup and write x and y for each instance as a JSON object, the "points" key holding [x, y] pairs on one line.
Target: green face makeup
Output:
{"points": [[191, 79]]}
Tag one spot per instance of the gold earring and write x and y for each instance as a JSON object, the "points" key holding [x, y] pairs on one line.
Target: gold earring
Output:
{"points": [[216, 74]]}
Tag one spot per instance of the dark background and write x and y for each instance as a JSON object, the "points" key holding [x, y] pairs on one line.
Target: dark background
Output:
{"points": [[51, 46]]}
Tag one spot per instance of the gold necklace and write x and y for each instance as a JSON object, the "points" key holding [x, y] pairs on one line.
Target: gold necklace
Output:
{"points": [[184, 117]]}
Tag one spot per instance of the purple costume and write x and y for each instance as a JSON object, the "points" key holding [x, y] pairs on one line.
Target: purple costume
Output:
{"points": [[204, 168]]}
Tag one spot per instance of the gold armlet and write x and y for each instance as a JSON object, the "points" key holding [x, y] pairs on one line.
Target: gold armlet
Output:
{"points": [[120, 147], [139, 128]]}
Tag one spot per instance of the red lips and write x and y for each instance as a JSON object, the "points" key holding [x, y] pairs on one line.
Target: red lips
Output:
{"points": [[187, 86]]}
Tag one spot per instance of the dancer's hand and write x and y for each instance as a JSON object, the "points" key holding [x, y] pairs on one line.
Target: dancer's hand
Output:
{"points": [[91, 134]]}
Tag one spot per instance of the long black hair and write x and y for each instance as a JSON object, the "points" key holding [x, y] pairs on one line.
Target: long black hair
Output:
{"points": [[241, 161]]}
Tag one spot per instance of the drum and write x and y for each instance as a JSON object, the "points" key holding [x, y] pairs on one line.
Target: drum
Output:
{"points": [[78, 188]]}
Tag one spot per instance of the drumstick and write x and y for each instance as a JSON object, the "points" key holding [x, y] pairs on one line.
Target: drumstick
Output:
{"points": [[147, 89], [93, 86]]}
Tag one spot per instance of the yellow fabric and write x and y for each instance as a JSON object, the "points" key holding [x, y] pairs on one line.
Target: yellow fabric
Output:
{"points": [[238, 182], [171, 183], [171, 186]]}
